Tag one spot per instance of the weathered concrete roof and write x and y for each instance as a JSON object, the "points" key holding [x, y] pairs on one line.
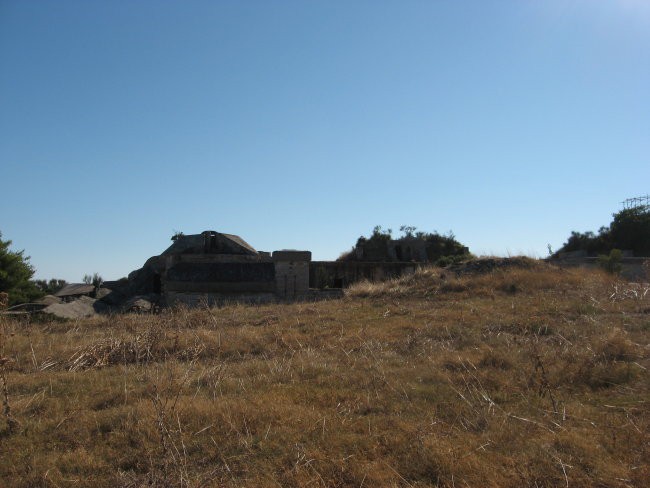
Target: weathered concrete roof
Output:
{"points": [[240, 241], [209, 242], [75, 289]]}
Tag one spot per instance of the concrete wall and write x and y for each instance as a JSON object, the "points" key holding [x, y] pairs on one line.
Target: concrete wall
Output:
{"points": [[291, 273], [340, 274], [194, 279], [405, 250], [212, 278], [196, 299]]}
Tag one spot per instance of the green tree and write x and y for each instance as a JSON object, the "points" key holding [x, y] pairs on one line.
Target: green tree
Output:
{"points": [[50, 287], [374, 245], [96, 280], [629, 230], [408, 231], [15, 275]]}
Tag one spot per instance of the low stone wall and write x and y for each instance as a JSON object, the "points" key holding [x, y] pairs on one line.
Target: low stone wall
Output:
{"points": [[341, 274]]}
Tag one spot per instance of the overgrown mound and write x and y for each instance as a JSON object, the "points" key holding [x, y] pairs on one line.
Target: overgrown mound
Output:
{"points": [[410, 246], [487, 265], [481, 277]]}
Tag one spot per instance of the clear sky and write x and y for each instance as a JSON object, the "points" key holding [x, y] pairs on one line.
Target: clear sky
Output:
{"points": [[303, 124]]}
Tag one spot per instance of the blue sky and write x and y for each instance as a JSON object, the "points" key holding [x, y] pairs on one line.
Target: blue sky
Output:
{"points": [[303, 124]]}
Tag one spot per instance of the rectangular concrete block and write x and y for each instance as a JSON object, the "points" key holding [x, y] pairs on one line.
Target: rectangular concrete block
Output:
{"points": [[287, 255]]}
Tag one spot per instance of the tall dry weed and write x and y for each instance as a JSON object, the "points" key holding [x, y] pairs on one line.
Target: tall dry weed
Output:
{"points": [[12, 423]]}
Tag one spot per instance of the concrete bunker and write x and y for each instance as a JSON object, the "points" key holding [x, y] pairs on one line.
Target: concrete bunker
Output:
{"points": [[214, 267]]}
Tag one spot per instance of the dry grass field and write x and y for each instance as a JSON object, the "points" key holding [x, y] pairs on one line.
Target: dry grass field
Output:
{"points": [[525, 376]]}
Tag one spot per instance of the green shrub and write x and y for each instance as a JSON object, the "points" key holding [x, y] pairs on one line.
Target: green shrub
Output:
{"points": [[611, 262]]}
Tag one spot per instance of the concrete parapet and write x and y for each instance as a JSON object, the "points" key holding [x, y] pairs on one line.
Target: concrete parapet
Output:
{"points": [[290, 255]]}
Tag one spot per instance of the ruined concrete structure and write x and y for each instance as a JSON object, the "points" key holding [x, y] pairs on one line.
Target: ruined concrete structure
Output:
{"points": [[414, 248], [72, 291], [405, 249], [213, 267]]}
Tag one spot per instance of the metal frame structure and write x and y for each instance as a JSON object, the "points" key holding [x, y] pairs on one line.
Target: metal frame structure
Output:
{"points": [[637, 202]]}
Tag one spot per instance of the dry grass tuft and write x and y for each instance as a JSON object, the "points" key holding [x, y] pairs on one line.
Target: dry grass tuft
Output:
{"points": [[115, 351]]}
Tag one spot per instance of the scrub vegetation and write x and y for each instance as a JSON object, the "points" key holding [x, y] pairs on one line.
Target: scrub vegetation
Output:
{"points": [[15, 275], [629, 230], [440, 249], [525, 375]]}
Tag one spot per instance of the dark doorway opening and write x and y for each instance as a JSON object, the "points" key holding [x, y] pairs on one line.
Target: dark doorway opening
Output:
{"points": [[407, 254], [157, 284], [398, 252]]}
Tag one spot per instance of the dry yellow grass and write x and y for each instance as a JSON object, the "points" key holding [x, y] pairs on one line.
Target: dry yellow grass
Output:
{"points": [[519, 377]]}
